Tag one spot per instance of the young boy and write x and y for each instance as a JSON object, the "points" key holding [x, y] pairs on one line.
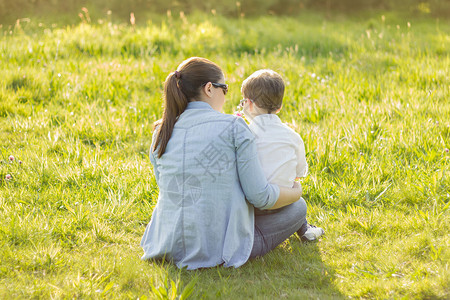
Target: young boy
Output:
{"points": [[280, 149]]}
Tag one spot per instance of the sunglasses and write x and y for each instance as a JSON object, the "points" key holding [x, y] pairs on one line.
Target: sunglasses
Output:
{"points": [[243, 101], [223, 86]]}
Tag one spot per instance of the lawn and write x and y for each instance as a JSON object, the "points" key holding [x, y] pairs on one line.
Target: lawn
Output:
{"points": [[369, 95]]}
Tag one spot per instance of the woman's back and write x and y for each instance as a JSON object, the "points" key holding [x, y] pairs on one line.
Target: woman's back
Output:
{"points": [[201, 218]]}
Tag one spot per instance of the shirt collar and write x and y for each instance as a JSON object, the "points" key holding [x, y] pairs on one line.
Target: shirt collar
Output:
{"points": [[198, 105], [266, 118]]}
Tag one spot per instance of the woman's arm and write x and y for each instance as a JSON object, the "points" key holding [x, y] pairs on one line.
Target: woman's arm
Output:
{"points": [[153, 158], [288, 195]]}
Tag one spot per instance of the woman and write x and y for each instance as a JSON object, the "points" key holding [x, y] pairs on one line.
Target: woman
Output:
{"points": [[206, 167]]}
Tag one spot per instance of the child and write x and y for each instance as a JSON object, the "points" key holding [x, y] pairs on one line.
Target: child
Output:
{"points": [[280, 149]]}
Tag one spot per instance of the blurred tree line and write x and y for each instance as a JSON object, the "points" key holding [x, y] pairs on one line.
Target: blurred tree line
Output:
{"points": [[13, 9]]}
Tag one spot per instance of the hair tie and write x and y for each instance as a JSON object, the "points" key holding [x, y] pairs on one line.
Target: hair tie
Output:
{"points": [[177, 74]]}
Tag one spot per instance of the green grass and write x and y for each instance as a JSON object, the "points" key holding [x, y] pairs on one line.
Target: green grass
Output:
{"points": [[369, 97]]}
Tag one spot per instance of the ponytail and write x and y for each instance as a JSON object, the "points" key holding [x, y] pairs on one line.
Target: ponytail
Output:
{"points": [[181, 87], [175, 104]]}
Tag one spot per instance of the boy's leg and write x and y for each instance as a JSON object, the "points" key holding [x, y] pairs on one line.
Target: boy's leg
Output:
{"points": [[309, 233], [303, 229], [273, 229]]}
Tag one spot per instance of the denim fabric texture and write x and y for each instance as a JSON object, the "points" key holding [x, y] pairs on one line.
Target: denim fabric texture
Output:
{"points": [[209, 179], [273, 229]]}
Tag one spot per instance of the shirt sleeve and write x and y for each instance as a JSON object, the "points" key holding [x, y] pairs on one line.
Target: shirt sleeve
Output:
{"points": [[258, 191], [152, 156], [302, 165]]}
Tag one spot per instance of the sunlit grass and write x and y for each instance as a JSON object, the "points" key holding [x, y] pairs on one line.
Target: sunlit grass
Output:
{"points": [[370, 99]]}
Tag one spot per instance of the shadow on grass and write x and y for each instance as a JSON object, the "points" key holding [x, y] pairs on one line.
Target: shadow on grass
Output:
{"points": [[294, 270]]}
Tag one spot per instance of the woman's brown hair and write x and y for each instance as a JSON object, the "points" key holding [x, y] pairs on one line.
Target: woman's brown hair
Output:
{"points": [[180, 88]]}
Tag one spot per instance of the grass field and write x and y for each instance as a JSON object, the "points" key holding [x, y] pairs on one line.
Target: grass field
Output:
{"points": [[370, 97]]}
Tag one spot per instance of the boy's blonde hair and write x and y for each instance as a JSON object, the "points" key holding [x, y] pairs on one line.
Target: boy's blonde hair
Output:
{"points": [[266, 89]]}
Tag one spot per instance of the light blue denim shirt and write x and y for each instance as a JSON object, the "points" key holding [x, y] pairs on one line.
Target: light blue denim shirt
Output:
{"points": [[208, 171]]}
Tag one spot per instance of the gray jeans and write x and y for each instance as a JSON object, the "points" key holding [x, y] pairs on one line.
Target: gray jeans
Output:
{"points": [[274, 227]]}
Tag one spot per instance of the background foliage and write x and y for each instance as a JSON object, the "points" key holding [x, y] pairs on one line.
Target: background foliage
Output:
{"points": [[12, 10]]}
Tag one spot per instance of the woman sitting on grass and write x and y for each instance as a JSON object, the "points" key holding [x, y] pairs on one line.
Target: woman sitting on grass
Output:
{"points": [[206, 167]]}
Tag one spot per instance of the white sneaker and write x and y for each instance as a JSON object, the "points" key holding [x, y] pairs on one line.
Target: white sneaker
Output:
{"points": [[312, 233]]}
